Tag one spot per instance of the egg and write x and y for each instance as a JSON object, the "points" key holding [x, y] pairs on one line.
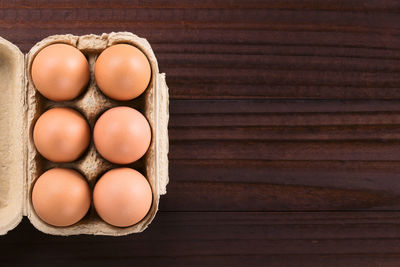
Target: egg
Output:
{"points": [[61, 197], [122, 197], [122, 72], [60, 72], [122, 135], [61, 134]]}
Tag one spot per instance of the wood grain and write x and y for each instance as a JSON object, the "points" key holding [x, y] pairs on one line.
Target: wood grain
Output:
{"points": [[284, 131], [223, 239]]}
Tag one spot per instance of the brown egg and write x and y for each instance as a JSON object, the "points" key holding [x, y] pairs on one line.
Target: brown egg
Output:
{"points": [[122, 197], [61, 134], [122, 135], [122, 72], [61, 197], [60, 72]]}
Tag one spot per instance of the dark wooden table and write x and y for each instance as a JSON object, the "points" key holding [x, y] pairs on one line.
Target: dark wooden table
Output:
{"points": [[284, 132]]}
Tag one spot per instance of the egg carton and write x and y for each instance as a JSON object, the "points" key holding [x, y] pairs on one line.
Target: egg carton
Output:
{"points": [[21, 105]]}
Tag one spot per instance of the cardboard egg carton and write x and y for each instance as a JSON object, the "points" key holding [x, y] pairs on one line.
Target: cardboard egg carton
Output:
{"points": [[21, 105]]}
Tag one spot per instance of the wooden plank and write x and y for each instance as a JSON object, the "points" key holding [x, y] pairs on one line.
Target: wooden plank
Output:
{"points": [[285, 150], [285, 115], [256, 185], [228, 239], [342, 5], [139, 4], [298, 133], [381, 175], [272, 106], [243, 196], [288, 119]]}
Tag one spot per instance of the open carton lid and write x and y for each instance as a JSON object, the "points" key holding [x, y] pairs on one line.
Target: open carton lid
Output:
{"points": [[12, 136]]}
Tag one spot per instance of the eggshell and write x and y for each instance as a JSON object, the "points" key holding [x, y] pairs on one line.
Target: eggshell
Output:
{"points": [[61, 197], [60, 72], [122, 72], [61, 134], [122, 135], [122, 197]]}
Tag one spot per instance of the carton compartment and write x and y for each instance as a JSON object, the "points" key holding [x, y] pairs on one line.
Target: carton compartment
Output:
{"points": [[7, 68], [12, 137]]}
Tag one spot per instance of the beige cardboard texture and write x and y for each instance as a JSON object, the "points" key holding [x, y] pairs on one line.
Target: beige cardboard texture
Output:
{"points": [[92, 103], [13, 135]]}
